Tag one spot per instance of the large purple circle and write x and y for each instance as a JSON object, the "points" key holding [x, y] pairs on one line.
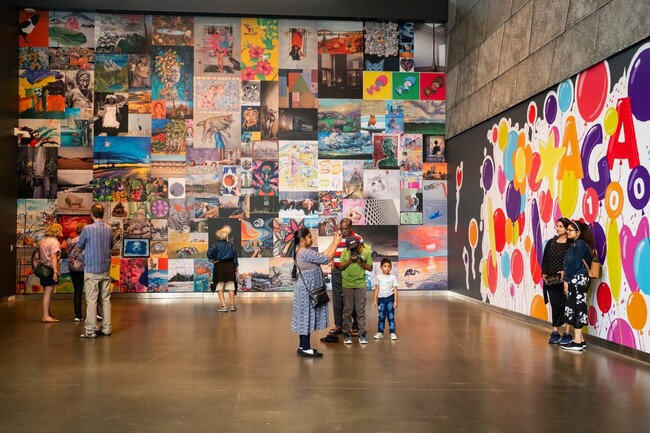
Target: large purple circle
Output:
{"points": [[638, 87], [621, 332], [600, 239], [550, 108], [488, 173], [513, 202]]}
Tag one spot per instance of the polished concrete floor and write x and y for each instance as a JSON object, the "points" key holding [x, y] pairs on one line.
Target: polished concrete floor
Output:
{"points": [[176, 365]]}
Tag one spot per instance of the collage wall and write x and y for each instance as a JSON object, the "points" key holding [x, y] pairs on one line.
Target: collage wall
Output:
{"points": [[580, 150], [179, 125]]}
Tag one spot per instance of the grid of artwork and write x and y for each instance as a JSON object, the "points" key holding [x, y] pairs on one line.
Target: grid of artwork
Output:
{"points": [[180, 125]]}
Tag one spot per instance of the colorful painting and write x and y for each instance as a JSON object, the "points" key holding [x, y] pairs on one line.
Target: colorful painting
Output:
{"points": [[259, 60], [216, 46], [121, 33], [71, 29]]}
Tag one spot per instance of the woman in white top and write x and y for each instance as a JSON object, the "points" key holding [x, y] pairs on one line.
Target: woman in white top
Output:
{"points": [[49, 255]]}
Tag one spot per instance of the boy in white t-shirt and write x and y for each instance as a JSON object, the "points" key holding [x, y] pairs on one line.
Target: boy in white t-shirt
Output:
{"points": [[386, 299]]}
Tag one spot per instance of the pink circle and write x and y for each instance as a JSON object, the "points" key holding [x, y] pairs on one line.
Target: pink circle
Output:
{"points": [[621, 332], [592, 315]]}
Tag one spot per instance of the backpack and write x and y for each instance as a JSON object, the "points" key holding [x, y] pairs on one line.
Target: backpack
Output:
{"points": [[76, 259]]}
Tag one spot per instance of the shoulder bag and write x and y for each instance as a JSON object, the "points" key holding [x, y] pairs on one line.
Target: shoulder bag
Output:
{"points": [[317, 296], [595, 271], [43, 271]]}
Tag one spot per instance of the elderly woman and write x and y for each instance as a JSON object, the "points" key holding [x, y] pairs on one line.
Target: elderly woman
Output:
{"points": [[49, 255], [222, 253], [308, 274]]}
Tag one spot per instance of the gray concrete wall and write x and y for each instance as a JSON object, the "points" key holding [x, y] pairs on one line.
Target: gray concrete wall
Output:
{"points": [[501, 52]]}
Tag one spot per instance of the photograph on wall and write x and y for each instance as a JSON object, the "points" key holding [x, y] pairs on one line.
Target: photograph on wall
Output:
{"points": [[330, 203], [250, 92], [298, 88], [298, 42], [355, 210], [422, 241], [136, 248], [202, 275], [425, 273], [253, 275], [35, 30], [139, 102], [406, 46], [424, 117], [298, 124], [157, 276], [74, 203], [327, 226], [187, 245], [265, 178], [269, 106], [66, 58], [381, 46], [137, 227], [382, 240], [382, 212], [41, 94], [37, 172], [79, 94], [406, 85], [298, 166], [39, 132], [217, 130], [257, 237], [265, 150], [111, 114], [259, 49], [122, 33], [172, 80], [410, 200], [344, 145], [377, 85], [69, 223], [339, 115], [385, 150], [280, 274], [298, 204], [72, 29], [217, 46], [283, 230], [340, 76], [111, 73], [433, 86], [353, 178], [181, 275], [233, 207], [330, 175], [434, 148], [216, 95], [235, 236], [434, 171], [139, 69], [434, 196], [168, 137], [133, 275], [394, 117], [76, 132], [381, 184], [373, 116], [139, 125], [250, 118], [121, 157], [159, 229], [410, 218], [173, 30], [33, 218]]}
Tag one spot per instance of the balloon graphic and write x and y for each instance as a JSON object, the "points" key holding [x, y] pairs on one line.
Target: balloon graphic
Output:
{"points": [[537, 230], [535, 267], [604, 297], [501, 180], [614, 200], [638, 87], [499, 219], [611, 120], [538, 308], [550, 107], [520, 169], [568, 193], [503, 134], [535, 164], [487, 173], [513, 201], [545, 206], [492, 273], [495, 134], [590, 205], [517, 267], [532, 113], [508, 153], [601, 241], [638, 187], [614, 257], [637, 311], [565, 95], [592, 315], [641, 260], [484, 273], [512, 290], [473, 233], [591, 91], [629, 244], [620, 332], [505, 265]]}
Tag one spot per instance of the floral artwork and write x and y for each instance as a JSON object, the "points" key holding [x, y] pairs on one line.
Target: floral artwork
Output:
{"points": [[259, 49]]}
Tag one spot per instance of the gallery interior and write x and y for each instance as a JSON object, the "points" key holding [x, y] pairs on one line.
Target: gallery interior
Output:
{"points": [[454, 135]]}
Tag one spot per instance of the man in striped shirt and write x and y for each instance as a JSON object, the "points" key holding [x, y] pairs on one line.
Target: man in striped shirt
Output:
{"points": [[97, 240], [345, 227]]}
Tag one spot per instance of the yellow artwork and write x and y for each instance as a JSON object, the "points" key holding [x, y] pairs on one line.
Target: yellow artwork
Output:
{"points": [[259, 41], [377, 85]]}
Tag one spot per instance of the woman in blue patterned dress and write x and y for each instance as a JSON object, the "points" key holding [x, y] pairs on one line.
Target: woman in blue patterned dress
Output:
{"points": [[308, 275]]}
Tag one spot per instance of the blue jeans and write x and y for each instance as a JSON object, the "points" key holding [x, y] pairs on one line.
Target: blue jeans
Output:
{"points": [[386, 310]]}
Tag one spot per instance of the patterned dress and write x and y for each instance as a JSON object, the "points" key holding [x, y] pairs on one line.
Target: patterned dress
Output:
{"points": [[306, 319], [576, 274]]}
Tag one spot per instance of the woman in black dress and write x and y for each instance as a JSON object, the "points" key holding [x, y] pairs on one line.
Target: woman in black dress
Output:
{"points": [[552, 272]]}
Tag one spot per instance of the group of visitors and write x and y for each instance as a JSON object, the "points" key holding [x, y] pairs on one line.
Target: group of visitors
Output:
{"points": [[89, 258], [565, 269]]}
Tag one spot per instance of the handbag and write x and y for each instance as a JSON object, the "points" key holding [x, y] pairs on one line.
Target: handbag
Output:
{"points": [[43, 271], [317, 296], [595, 271], [551, 280]]}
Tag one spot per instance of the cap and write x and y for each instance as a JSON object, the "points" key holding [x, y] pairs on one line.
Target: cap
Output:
{"points": [[351, 242]]}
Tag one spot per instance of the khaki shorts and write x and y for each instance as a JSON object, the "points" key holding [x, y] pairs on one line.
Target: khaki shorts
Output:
{"points": [[228, 286]]}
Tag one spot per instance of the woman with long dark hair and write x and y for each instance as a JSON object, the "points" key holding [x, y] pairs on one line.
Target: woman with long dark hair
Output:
{"points": [[577, 262], [308, 275], [552, 272]]}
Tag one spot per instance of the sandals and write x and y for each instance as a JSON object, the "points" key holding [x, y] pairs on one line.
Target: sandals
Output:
{"points": [[50, 320], [335, 331]]}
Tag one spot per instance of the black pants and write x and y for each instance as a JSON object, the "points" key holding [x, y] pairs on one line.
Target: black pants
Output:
{"points": [[558, 300], [77, 278]]}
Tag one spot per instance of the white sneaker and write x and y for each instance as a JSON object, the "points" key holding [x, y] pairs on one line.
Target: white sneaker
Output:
{"points": [[378, 336], [393, 336]]}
